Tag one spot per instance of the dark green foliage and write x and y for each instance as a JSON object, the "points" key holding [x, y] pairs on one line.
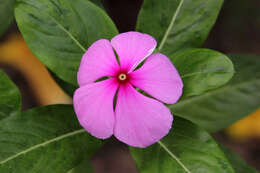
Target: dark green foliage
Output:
{"points": [[194, 148], [10, 98]]}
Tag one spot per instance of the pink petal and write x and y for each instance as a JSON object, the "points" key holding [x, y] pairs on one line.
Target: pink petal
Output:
{"points": [[93, 104], [140, 120], [159, 78], [99, 61], [132, 48]]}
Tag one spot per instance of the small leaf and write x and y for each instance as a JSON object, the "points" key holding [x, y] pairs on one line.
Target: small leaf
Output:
{"points": [[186, 149], [178, 24], [10, 98], [219, 108], [59, 32], [46, 139], [239, 165], [6, 14], [202, 70]]}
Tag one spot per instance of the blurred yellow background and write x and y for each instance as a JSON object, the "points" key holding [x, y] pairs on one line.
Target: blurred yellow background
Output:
{"points": [[15, 53]]}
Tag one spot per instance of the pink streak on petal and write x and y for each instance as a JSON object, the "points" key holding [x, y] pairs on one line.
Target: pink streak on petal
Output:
{"points": [[140, 121], [98, 61], [93, 104], [159, 78], [132, 48]]}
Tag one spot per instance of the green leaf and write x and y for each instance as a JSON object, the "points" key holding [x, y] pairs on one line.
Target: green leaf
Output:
{"points": [[219, 108], [6, 14], [186, 149], [10, 98], [239, 165], [59, 31], [178, 24], [46, 139], [99, 3], [202, 70], [84, 167]]}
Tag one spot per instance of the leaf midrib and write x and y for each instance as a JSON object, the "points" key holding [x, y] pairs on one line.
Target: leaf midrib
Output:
{"points": [[174, 17], [204, 72], [43, 144], [61, 27], [69, 34], [173, 156]]}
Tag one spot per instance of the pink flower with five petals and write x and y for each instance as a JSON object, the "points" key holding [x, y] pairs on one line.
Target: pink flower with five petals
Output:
{"points": [[136, 120]]}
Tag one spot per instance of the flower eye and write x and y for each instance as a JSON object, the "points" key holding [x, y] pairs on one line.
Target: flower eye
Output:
{"points": [[122, 77]]}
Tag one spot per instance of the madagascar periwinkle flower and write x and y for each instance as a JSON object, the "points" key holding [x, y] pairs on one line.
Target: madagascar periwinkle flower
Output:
{"points": [[114, 106]]}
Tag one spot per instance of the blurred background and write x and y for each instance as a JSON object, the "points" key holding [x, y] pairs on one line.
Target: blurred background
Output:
{"points": [[237, 30]]}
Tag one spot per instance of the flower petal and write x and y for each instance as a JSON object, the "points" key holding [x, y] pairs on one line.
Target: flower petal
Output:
{"points": [[98, 61], [159, 78], [140, 121], [93, 104], [132, 48]]}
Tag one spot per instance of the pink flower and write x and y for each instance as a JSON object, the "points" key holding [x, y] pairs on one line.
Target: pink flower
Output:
{"points": [[136, 120]]}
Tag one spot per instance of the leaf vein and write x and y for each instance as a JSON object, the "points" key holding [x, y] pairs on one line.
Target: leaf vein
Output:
{"points": [[173, 156], [43, 144], [170, 26]]}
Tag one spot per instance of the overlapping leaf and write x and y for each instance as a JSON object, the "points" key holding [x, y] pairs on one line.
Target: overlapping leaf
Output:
{"points": [[46, 139], [59, 31], [219, 108], [6, 14], [178, 24], [186, 149], [10, 98], [202, 70]]}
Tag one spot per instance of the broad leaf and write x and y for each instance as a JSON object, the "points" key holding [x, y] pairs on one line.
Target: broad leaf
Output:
{"points": [[202, 70], [10, 98], [178, 24], [6, 14], [186, 149], [46, 139], [59, 32], [219, 108], [239, 165]]}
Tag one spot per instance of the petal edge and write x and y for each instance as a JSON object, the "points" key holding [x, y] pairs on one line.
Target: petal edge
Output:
{"points": [[97, 62], [98, 119], [132, 48], [140, 121], [159, 78]]}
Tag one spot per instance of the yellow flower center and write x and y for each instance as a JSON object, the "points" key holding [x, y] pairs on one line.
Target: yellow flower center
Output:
{"points": [[122, 77]]}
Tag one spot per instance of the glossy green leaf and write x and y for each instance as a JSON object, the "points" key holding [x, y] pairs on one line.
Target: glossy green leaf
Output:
{"points": [[239, 165], [10, 98], [219, 108], [186, 149], [6, 14], [202, 70], [59, 31], [178, 24], [44, 140]]}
